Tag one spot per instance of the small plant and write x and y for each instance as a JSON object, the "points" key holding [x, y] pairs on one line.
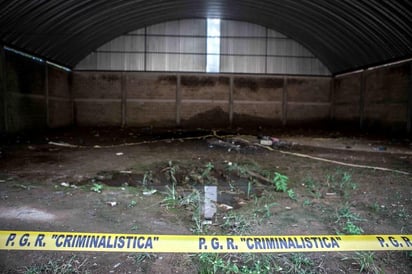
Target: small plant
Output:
{"points": [[346, 213], [142, 257], [349, 217], [147, 178], [299, 263], [281, 182], [366, 262], [352, 229], [60, 265], [208, 168], [171, 199], [236, 224], [310, 184], [342, 183], [240, 169], [132, 203], [247, 264], [171, 172], [249, 189], [292, 194], [265, 211], [307, 203], [97, 187], [194, 200], [375, 207]]}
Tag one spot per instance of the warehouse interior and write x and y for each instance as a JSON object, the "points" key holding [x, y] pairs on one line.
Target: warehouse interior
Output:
{"points": [[278, 64], [100, 96]]}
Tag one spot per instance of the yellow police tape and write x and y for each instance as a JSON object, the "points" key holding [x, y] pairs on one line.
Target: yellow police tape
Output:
{"points": [[108, 242]]}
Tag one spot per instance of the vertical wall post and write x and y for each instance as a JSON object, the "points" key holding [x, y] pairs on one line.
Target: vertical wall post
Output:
{"points": [[3, 91], [72, 99], [409, 118], [123, 92], [332, 100], [178, 100], [46, 93], [362, 100], [285, 101], [231, 80]]}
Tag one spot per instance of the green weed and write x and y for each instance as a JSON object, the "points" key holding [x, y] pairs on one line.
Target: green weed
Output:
{"points": [[96, 187], [280, 182], [239, 169], [236, 224], [366, 262], [299, 263], [58, 266], [249, 189], [132, 203], [171, 173], [342, 183], [193, 200], [142, 257], [172, 199], [348, 217], [245, 264], [265, 211], [147, 178], [352, 229], [292, 194], [306, 203], [346, 213], [375, 207], [208, 168], [313, 188]]}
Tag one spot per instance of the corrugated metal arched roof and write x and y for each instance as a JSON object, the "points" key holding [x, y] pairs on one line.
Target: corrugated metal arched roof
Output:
{"points": [[344, 34]]}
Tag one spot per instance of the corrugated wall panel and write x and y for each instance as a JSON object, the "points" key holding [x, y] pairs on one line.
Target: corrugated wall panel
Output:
{"points": [[175, 62], [245, 46], [181, 46], [242, 64], [241, 29]]}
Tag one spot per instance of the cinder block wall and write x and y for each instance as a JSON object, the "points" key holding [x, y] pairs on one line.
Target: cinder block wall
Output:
{"points": [[59, 99], [35, 95], [198, 100], [375, 99]]}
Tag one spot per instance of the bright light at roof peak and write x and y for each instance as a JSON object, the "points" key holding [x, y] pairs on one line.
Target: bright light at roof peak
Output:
{"points": [[213, 45]]}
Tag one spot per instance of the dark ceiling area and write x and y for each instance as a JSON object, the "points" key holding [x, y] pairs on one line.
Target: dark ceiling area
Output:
{"points": [[344, 34]]}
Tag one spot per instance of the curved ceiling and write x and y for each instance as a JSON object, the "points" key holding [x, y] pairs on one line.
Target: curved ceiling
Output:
{"points": [[344, 34]]}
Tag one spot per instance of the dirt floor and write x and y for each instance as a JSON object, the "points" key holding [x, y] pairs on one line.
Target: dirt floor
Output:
{"points": [[146, 181]]}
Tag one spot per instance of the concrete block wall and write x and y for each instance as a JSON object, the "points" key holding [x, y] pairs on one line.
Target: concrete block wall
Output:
{"points": [[150, 99], [385, 99], [203, 101], [25, 104], [59, 99], [308, 101], [35, 95], [141, 99], [377, 98], [97, 98], [257, 101]]}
